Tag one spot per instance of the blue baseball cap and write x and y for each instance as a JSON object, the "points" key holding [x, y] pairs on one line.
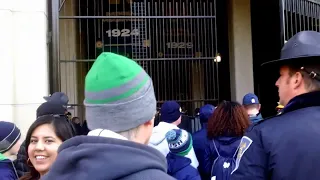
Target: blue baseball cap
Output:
{"points": [[250, 99], [205, 112]]}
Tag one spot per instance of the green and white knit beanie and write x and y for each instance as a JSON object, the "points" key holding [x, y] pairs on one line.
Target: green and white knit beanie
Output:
{"points": [[119, 94]]}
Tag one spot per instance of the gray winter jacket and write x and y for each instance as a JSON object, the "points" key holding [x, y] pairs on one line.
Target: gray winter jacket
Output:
{"points": [[102, 158]]}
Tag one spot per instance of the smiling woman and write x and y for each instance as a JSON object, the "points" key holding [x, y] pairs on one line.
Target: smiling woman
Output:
{"points": [[43, 139]]}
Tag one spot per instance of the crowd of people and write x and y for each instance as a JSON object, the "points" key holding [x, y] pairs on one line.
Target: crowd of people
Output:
{"points": [[120, 140]]}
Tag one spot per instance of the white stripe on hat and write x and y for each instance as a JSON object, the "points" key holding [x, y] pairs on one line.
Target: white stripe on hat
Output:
{"points": [[13, 142]]}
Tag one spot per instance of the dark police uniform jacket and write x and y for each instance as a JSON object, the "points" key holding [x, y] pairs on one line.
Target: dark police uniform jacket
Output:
{"points": [[284, 147]]}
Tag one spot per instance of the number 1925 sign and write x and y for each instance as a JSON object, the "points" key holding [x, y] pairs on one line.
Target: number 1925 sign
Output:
{"points": [[179, 45], [122, 32]]}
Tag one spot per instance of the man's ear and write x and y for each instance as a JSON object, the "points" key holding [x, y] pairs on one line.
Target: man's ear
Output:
{"points": [[149, 123], [298, 79]]}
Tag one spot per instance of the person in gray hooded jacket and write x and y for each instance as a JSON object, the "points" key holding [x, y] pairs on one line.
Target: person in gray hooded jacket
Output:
{"points": [[120, 109]]}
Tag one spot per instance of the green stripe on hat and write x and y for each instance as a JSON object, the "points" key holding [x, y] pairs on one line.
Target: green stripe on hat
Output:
{"points": [[112, 78], [185, 152], [109, 71]]}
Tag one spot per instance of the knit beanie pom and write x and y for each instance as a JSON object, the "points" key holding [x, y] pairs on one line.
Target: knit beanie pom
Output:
{"points": [[171, 135]]}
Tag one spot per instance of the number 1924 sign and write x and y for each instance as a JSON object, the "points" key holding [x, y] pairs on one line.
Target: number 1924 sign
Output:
{"points": [[122, 32]]}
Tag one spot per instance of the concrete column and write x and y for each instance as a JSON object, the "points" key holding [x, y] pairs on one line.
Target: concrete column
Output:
{"points": [[24, 62], [240, 48]]}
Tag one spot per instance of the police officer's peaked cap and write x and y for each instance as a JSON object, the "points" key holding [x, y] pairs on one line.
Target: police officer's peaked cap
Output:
{"points": [[302, 48]]}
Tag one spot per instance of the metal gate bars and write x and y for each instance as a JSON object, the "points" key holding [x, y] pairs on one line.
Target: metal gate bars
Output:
{"points": [[299, 15], [174, 40]]}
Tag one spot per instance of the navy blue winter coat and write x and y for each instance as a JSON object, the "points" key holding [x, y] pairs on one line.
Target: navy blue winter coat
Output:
{"points": [[227, 146], [180, 168], [286, 146], [200, 141], [7, 170]]}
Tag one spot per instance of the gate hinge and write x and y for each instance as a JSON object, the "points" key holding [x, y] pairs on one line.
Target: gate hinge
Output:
{"points": [[49, 37]]}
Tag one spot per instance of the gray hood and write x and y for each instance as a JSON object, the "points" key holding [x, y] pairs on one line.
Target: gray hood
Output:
{"points": [[91, 157]]}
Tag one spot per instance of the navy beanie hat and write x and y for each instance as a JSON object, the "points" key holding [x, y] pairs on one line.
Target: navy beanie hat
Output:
{"points": [[170, 111], [205, 112], [179, 141], [9, 135]]}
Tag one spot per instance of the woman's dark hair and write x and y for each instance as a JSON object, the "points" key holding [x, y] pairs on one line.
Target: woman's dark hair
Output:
{"points": [[62, 128], [228, 119]]}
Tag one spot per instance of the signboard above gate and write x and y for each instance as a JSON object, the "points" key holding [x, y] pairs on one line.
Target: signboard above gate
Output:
{"points": [[158, 29]]}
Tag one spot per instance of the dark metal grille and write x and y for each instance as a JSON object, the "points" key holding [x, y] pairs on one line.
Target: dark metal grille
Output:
{"points": [[300, 15], [175, 41]]}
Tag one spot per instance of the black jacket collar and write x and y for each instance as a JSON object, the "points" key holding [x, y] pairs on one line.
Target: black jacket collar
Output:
{"points": [[302, 101]]}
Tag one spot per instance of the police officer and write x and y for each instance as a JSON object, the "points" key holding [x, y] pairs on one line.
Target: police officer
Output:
{"points": [[287, 146]]}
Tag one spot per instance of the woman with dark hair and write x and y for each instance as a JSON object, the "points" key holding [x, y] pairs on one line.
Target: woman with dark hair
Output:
{"points": [[226, 127], [43, 139]]}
